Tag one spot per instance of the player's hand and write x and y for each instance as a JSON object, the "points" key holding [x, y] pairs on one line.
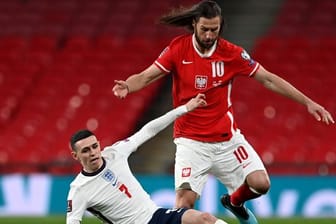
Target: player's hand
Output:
{"points": [[120, 89], [198, 101], [320, 113]]}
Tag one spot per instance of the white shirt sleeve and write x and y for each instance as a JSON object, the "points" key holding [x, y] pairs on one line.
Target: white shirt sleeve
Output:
{"points": [[131, 144], [155, 126], [77, 208]]}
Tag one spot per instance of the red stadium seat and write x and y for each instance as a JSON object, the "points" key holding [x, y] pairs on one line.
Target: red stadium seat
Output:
{"points": [[300, 47], [59, 60]]}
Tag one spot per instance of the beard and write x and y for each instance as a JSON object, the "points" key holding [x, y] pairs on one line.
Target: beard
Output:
{"points": [[207, 44]]}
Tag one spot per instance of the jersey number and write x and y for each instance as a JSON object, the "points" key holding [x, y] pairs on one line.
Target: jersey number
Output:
{"points": [[217, 68], [240, 154], [124, 189]]}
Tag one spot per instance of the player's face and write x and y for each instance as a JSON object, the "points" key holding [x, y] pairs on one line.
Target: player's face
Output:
{"points": [[88, 153], [207, 32]]}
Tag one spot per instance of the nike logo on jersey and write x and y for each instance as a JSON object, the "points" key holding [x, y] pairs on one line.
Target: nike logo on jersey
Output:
{"points": [[186, 62], [246, 165]]}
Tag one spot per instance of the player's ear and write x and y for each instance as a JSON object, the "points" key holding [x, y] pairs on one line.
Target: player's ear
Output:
{"points": [[73, 152], [74, 155], [194, 24]]}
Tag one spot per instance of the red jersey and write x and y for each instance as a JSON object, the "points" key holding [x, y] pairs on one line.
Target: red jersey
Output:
{"points": [[211, 74]]}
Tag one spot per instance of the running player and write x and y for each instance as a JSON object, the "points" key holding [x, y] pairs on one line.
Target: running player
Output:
{"points": [[208, 139]]}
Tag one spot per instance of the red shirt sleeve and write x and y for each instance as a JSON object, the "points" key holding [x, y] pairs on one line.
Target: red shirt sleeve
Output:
{"points": [[244, 64], [167, 58]]}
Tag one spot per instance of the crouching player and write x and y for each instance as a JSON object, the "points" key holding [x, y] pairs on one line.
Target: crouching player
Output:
{"points": [[107, 188]]}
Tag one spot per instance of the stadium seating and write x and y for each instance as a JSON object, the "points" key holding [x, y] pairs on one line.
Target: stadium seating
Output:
{"points": [[58, 63], [299, 47], [59, 60]]}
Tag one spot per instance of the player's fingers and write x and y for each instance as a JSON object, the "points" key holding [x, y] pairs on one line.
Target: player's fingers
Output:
{"points": [[120, 83], [317, 115], [118, 94], [115, 93], [117, 85], [323, 116], [200, 96], [327, 118], [202, 102]]}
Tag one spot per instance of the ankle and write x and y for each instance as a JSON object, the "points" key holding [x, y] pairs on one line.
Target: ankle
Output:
{"points": [[236, 205]]}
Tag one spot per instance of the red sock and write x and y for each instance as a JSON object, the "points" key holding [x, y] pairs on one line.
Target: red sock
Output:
{"points": [[242, 194]]}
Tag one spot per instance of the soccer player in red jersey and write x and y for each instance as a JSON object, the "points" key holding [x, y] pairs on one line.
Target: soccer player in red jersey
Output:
{"points": [[207, 139]]}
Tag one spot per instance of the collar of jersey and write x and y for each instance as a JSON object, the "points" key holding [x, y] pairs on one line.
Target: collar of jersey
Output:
{"points": [[96, 172], [212, 50]]}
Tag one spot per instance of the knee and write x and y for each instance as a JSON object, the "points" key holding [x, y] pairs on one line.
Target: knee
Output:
{"points": [[208, 218], [185, 199], [259, 183], [198, 217], [263, 186], [184, 203]]}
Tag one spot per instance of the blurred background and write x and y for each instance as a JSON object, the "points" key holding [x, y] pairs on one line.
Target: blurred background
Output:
{"points": [[58, 63]]}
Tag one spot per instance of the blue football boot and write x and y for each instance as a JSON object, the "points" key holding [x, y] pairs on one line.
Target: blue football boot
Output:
{"points": [[244, 215]]}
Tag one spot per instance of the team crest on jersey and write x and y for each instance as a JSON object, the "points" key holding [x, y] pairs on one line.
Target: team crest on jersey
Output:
{"points": [[186, 172], [247, 57], [109, 176], [201, 81], [69, 207]]}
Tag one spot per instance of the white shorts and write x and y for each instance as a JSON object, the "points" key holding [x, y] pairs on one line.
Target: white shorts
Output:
{"points": [[230, 161]]}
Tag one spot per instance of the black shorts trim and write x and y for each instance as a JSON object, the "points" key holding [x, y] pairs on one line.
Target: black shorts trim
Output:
{"points": [[168, 216]]}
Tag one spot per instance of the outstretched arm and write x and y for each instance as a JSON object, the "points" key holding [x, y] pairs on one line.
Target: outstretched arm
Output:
{"points": [[155, 126], [137, 81], [279, 85]]}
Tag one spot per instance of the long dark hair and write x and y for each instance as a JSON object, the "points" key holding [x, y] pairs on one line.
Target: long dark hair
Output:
{"points": [[184, 17]]}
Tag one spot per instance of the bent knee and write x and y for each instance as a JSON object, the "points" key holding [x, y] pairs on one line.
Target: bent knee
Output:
{"points": [[208, 218], [262, 188], [185, 199], [260, 183]]}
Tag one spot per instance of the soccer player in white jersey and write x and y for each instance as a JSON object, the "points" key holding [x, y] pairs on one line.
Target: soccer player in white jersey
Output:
{"points": [[107, 188], [208, 140]]}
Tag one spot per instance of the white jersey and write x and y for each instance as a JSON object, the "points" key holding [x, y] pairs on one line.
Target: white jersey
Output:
{"points": [[112, 193]]}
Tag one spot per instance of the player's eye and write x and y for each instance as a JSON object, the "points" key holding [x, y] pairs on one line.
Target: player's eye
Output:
{"points": [[84, 150], [94, 146]]}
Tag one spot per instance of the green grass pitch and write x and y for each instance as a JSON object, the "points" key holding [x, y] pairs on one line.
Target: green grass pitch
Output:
{"points": [[61, 219]]}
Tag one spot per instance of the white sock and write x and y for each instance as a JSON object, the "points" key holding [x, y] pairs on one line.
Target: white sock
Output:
{"points": [[219, 221]]}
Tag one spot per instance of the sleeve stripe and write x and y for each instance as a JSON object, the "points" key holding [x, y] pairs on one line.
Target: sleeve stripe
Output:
{"points": [[161, 67], [255, 69]]}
